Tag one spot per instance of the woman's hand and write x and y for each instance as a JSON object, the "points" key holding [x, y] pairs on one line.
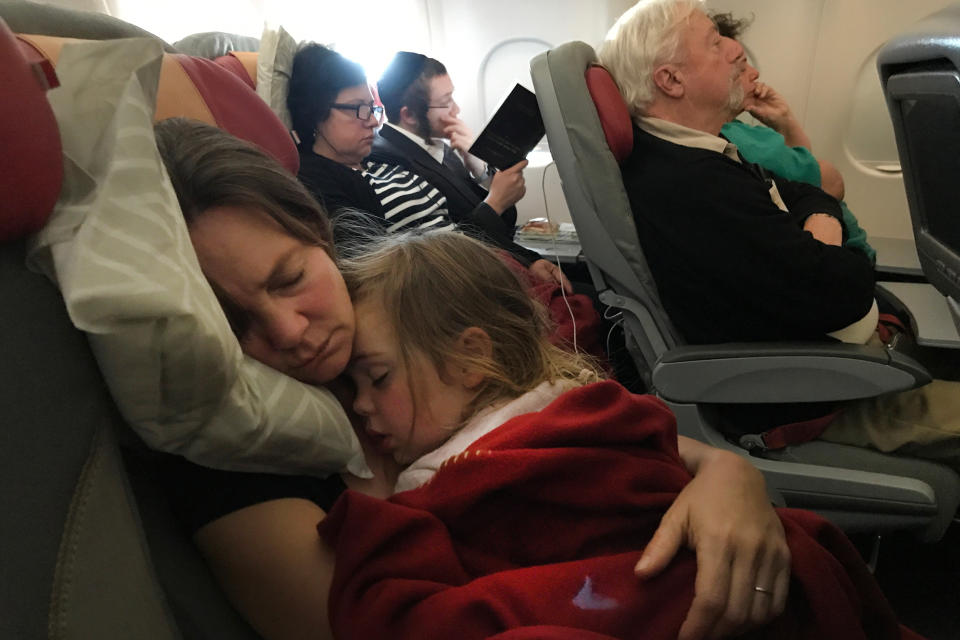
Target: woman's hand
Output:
{"points": [[743, 563], [546, 271]]}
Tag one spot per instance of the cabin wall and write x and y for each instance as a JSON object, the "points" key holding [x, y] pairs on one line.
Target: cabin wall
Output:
{"points": [[821, 55], [487, 48]]}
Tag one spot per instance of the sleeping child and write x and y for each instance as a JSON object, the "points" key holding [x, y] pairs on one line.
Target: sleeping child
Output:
{"points": [[530, 482]]}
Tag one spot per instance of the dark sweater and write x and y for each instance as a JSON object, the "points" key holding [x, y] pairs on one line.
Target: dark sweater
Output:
{"points": [[337, 186], [464, 196], [729, 265]]}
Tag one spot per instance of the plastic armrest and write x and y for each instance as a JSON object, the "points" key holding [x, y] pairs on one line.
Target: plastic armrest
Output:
{"points": [[783, 372]]}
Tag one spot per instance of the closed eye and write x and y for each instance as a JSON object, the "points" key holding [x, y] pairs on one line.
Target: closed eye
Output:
{"points": [[291, 281]]}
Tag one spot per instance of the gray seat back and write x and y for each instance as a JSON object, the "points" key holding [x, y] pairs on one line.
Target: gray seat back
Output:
{"points": [[858, 489], [920, 74], [74, 561], [598, 201], [86, 553]]}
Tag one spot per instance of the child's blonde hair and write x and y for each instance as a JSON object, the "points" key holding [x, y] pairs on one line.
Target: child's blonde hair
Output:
{"points": [[434, 285]]}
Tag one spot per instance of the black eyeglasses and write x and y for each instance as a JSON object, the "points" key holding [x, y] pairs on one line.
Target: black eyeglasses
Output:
{"points": [[363, 111]]}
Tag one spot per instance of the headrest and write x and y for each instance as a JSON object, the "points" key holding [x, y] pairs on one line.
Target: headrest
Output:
{"points": [[241, 64], [31, 166], [204, 90], [613, 112]]}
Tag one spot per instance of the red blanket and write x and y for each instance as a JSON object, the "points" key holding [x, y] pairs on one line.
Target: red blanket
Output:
{"points": [[541, 522], [573, 316]]}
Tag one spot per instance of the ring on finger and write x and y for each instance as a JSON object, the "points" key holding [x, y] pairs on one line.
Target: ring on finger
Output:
{"points": [[759, 589]]}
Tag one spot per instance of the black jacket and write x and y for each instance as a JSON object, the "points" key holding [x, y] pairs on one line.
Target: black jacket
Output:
{"points": [[464, 196], [729, 265]]}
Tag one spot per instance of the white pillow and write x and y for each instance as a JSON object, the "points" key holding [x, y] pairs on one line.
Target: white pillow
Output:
{"points": [[118, 248], [274, 66]]}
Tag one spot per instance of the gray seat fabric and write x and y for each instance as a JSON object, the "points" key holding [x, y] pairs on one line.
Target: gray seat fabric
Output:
{"points": [[84, 555], [73, 558], [851, 486], [213, 44]]}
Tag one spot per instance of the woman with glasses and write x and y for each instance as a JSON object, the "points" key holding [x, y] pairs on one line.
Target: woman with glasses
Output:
{"points": [[335, 119]]}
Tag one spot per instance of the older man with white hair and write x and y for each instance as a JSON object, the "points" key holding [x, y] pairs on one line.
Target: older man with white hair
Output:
{"points": [[739, 254]]}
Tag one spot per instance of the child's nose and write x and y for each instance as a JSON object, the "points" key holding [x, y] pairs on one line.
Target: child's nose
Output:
{"points": [[362, 404]]}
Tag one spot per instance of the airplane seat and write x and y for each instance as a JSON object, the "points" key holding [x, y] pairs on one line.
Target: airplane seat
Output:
{"points": [[859, 489], [91, 546], [215, 44], [920, 75]]}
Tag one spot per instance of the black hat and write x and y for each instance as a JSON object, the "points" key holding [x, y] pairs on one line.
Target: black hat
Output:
{"points": [[402, 71]]}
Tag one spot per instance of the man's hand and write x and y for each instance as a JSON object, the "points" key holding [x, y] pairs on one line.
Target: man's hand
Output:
{"points": [[824, 228], [770, 108], [724, 516], [458, 133], [461, 139], [546, 271], [506, 188]]}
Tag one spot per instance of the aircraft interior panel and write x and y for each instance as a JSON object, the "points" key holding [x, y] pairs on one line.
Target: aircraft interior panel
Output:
{"points": [[488, 57], [874, 188]]}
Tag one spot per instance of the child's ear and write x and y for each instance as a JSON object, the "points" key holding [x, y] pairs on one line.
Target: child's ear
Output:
{"points": [[473, 342]]}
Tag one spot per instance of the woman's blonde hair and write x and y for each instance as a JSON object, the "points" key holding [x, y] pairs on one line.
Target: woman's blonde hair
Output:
{"points": [[434, 285]]}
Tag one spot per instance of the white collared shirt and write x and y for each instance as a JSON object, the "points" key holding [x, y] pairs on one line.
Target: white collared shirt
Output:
{"points": [[435, 148], [475, 166]]}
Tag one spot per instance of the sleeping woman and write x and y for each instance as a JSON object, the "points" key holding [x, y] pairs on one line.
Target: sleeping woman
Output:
{"points": [[266, 247]]}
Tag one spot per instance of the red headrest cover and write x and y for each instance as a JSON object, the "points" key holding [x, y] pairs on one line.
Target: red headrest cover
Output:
{"points": [[613, 112], [207, 91], [204, 90], [235, 65], [31, 163]]}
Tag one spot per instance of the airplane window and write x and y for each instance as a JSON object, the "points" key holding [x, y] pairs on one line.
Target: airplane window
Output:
{"points": [[506, 64], [869, 133]]}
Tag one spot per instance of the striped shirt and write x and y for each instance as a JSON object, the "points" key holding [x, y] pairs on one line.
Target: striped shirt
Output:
{"points": [[408, 201]]}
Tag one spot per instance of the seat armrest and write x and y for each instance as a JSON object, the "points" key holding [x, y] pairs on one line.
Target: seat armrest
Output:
{"points": [[783, 372]]}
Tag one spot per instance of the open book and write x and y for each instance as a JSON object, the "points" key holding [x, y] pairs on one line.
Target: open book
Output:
{"points": [[513, 131]]}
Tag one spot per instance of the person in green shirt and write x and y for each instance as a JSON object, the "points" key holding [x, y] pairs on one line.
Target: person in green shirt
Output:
{"points": [[780, 144]]}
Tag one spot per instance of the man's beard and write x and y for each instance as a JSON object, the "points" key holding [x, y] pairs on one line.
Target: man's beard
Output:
{"points": [[736, 97], [423, 129]]}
